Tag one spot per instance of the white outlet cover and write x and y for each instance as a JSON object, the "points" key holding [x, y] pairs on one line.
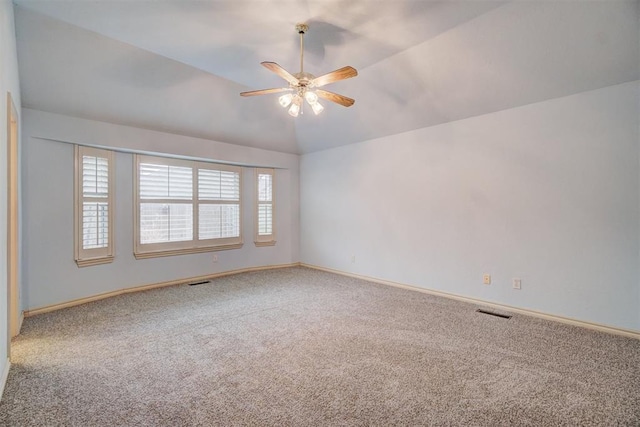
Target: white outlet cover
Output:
{"points": [[517, 283], [486, 279]]}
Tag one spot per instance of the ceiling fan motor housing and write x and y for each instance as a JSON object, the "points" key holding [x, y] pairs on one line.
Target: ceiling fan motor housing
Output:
{"points": [[305, 79]]}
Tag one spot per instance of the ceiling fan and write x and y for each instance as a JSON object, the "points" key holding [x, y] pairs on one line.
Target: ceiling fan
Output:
{"points": [[303, 86]]}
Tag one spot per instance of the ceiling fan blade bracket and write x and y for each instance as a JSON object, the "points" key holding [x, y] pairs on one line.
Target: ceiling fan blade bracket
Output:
{"points": [[277, 69]]}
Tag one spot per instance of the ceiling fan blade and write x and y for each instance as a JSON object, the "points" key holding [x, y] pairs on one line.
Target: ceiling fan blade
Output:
{"points": [[272, 66], [340, 74], [264, 91], [334, 97]]}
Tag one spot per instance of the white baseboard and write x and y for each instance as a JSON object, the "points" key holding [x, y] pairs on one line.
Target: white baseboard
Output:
{"points": [[5, 375], [67, 304], [594, 326]]}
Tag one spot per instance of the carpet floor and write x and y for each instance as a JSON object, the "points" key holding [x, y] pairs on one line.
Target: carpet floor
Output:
{"points": [[299, 347]]}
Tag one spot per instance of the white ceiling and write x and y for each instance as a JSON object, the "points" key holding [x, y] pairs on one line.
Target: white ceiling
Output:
{"points": [[178, 66]]}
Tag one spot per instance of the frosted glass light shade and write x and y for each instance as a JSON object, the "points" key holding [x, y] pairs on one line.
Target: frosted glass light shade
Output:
{"points": [[285, 100], [317, 107], [294, 110], [311, 97]]}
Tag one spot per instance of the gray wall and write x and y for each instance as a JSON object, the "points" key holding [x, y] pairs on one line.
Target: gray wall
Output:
{"points": [[9, 82], [50, 275], [548, 193]]}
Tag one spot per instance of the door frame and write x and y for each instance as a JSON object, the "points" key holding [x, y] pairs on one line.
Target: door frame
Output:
{"points": [[14, 317]]}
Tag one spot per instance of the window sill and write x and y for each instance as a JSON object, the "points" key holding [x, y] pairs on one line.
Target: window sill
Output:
{"points": [[269, 243], [94, 261], [173, 252]]}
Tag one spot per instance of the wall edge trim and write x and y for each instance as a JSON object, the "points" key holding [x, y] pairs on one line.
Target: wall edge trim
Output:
{"points": [[629, 333], [20, 321], [5, 375], [79, 301]]}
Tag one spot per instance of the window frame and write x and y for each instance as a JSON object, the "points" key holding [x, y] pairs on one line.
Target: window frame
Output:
{"points": [[195, 245], [95, 256], [264, 239]]}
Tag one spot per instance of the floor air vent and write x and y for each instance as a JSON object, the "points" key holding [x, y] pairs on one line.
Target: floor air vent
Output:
{"points": [[504, 316], [200, 283]]}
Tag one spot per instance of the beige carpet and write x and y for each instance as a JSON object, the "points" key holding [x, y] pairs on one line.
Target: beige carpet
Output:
{"points": [[301, 347]]}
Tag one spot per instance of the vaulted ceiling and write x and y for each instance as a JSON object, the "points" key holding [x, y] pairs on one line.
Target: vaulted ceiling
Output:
{"points": [[179, 66]]}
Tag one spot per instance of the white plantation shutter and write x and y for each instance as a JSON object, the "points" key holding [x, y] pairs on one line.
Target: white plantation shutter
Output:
{"points": [[165, 222], [95, 205], [165, 182], [265, 192], [95, 225], [265, 219], [265, 230], [166, 211], [186, 206], [93, 212], [219, 201]]}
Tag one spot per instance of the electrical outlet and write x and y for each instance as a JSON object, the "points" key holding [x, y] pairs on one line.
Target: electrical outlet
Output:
{"points": [[486, 279], [353, 258], [215, 257], [517, 283]]}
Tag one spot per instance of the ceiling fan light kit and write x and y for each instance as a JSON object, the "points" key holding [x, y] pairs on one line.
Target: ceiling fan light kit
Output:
{"points": [[303, 86]]}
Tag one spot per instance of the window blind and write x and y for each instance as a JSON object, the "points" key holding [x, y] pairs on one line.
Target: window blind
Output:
{"points": [[164, 217], [265, 192], [264, 206], [93, 212], [186, 206], [219, 195]]}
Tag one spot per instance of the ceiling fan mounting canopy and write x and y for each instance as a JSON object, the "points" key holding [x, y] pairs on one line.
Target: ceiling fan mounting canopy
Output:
{"points": [[303, 85]]}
